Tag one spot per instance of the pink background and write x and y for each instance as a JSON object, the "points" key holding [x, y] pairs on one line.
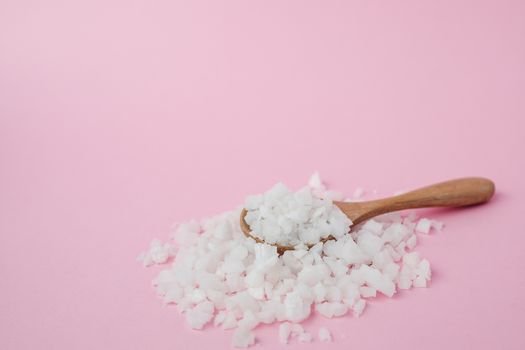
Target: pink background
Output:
{"points": [[118, 118]]}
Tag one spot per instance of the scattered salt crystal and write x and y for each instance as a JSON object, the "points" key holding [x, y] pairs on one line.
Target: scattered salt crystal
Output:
{"points": [[305, 337], [316, 182], [358, 193], [158, 253], [436, 225], [423, 269], [423, 226], [324, 335], [297, 329]]}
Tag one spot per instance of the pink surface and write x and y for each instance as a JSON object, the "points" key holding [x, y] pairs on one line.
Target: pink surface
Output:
{"points": [[118, 118]]}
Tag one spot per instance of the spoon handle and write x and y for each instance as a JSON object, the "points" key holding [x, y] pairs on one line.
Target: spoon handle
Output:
{"points": [[453, 193]]}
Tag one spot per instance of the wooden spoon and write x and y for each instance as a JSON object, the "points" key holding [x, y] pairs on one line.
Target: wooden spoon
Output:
{"points": [[453, 193]]}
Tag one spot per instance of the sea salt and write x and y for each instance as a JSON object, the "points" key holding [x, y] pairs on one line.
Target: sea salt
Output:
{"points": [[423, 226], [280, 216], [324, 335], [217, 277], [243, 338]]}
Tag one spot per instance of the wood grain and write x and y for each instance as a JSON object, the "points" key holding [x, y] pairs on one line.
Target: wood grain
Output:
{"points": [[454, 193]]}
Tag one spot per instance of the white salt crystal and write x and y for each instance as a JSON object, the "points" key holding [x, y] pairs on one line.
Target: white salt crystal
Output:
{"points": [[375, 279], [337, 266], [334, 309], [382, 259], [183, 305], [334, 294], [411, 241], [404, 283], [423, 269], [324, 335], [230, 321], [315, 182], [265, 256], [423, 226], [187, 233], [253, 202], [391, 270], [319, 291], [243, 338], [369, 243], [158, 253], [420, 282], [237, 253], [311, 275], [196, 295], [438, 226], [411, 259], [367, 292], [359, 306], [297, 329], [285, 330], [296, 308], [358, 193], [300, 253], [257, 293], [325, 309], [395, 233], [219, 318], [201, 314], [350, 252], [255, 278], [174, 294], [401, 248], [249, 320], [393, 253], [332, 195], [339, 309], [304, 337], [373, 226]]}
